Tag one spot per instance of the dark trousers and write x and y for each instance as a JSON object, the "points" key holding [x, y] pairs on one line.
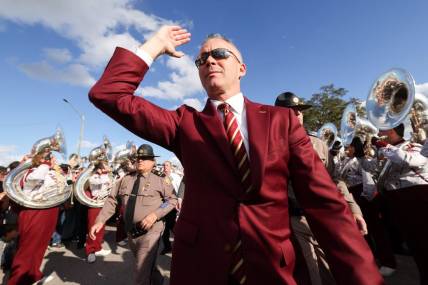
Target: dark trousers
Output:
{"points": [[377, 237], [35, 230], [120, 225], [169, 226], [80, 213], [409, 207]]}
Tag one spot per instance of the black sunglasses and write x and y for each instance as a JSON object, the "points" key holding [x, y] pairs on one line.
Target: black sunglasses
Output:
{"points": [[218, 53]]}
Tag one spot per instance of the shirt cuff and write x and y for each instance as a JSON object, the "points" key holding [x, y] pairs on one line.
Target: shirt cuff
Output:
{"points": [[144, 56]]}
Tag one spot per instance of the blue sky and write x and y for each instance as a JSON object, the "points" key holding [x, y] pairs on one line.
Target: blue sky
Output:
{"points": [[56, 49]]}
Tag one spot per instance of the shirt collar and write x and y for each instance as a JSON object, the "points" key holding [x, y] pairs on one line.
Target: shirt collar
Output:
{"points": [[236, 102]]}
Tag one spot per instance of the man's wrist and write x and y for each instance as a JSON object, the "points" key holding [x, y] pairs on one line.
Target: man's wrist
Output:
{"points": [[153, 48], [144, 55]]}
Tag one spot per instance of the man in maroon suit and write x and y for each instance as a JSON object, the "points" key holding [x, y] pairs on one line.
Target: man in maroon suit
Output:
{"points": [[234, 226]]}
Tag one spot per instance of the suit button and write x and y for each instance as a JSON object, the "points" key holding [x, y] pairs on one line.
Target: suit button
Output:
{"points": [[227, 247]]}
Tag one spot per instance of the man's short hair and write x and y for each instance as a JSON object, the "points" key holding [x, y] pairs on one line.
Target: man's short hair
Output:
{"points": [[224, 38]]}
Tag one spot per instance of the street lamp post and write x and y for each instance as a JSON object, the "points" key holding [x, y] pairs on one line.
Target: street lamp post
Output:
{"points": [[82, 123]]}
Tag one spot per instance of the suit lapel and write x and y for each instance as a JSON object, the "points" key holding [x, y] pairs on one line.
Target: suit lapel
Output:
{"points": [[213, 124], [258, 123]]}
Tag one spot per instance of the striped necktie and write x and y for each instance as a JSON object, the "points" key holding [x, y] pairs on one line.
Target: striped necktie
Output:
{"points": [[241, 157], [237, 145]]}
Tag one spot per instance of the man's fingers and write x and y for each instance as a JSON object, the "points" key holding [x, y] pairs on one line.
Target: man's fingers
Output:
{"points": [[177, 54], [362, 225], [176, 28], [180, 36], [94, 230], [92, 234]]}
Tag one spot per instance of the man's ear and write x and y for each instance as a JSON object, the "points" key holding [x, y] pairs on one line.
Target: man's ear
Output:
{"points": [[242, 70]]}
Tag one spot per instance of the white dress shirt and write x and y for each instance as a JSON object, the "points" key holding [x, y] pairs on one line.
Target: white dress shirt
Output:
{"points": [[237, 106]]}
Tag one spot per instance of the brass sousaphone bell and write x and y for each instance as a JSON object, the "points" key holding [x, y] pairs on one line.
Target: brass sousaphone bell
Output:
{"points": [[390, 99], [328, 134], [100, 153], [352, 125], [51, 197]]}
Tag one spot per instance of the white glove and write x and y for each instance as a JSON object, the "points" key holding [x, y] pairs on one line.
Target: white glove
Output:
{"points": [[394, 153]]}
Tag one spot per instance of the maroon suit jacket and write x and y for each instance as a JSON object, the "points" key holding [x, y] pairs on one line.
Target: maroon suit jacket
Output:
{"points": [[215, 211]]}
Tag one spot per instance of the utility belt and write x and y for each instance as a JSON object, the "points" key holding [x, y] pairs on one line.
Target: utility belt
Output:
{"points": [[137, 231]]}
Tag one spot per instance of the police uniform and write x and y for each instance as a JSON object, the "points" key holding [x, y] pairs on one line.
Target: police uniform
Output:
{"points": [[405, 184], [318, 270], [155, 195]]}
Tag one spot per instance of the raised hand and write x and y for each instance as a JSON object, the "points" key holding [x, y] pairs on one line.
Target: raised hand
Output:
{"points": [[166, 40]]}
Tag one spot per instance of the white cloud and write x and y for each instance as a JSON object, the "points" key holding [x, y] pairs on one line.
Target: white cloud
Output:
{"points": [[7, 148], [195, 103], [88, 144], [60, 55], [184, 81], [8, 154], [74, 74], [422, 88], [118, 147], [96, 27], [91, 24]]}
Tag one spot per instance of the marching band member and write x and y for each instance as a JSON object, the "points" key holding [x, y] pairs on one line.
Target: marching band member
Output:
{"points": [[405, 184], [35, 226], [356, 173], [99, 182]]}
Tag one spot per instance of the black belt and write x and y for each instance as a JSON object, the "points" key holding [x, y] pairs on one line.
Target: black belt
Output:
{"points": [[137, 231]]}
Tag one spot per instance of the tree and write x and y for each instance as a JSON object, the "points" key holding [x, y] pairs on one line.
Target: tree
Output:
{"points": [[361, 110], [327, 107]]}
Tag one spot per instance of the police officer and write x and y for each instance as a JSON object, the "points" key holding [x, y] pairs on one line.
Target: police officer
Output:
{"points": [[314, 257], [405, 185], [146, 199]]}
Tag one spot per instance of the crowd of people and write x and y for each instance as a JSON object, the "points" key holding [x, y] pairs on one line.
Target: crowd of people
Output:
{"points": [[28, 232], [266, 201]]}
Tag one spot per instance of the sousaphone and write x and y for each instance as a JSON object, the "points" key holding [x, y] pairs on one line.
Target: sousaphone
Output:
{"points": [[328, 134], [390, 101], [352, 125], [52, 196], [102, 153]]}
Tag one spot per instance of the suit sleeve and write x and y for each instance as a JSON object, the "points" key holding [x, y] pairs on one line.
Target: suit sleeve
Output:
{"points": [[114, 95], [329, 217]]}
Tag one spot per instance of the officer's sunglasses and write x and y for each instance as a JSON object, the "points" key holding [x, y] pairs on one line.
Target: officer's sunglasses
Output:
{"points": [[218, 53]]}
